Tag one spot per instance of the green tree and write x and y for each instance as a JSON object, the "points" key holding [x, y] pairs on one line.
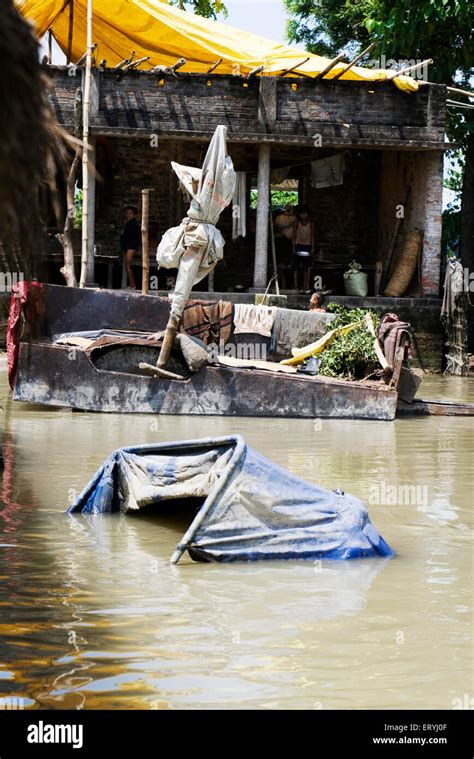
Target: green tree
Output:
{"points": [[405, 30], [206, 8]]}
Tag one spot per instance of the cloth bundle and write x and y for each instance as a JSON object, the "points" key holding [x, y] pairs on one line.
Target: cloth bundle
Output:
{"points": [[250, 319]]}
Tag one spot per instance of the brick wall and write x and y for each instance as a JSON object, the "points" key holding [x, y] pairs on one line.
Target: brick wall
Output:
{"points": [[344, 113], [423, 172]]}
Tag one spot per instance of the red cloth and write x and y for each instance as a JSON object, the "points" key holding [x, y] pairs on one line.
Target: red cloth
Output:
{"points": [[27, 298]]}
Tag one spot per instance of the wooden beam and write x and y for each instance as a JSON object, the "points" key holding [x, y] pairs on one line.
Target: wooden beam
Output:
{"points": [[170, 69], [125, 61], [255, 71], [354, 61], [330, 66], [293, 68], [83, 57], [133, 65], [214, 66]]}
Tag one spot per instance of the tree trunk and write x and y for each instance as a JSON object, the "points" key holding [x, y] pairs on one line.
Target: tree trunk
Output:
{"points": [[467, 229], [66, 237]]}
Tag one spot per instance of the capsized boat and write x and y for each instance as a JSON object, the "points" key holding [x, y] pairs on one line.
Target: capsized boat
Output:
{"points": [[244, 506]]}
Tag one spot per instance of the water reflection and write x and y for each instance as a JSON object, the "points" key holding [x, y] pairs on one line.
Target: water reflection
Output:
{"points": [[93, 615]]}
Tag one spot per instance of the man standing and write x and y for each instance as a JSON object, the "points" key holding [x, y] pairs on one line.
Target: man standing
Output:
{"points": [[130, 241]]}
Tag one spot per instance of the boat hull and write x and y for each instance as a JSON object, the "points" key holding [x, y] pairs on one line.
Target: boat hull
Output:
{"points": [[58, 375]]}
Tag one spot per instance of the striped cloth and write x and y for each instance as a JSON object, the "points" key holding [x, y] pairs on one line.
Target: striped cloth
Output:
{"points": [[209, 321]]}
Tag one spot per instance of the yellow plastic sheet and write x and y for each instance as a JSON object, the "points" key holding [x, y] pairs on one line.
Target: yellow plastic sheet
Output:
{"points": [[163, 32], [301, 354]]}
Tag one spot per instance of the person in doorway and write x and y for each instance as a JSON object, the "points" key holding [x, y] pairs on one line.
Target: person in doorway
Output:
{"points": [[284, 222], [130, 241], [316, 303], [302, 248]]}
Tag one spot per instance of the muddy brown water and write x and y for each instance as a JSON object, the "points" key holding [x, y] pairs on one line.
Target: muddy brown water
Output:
{"points": [[92, 615]]}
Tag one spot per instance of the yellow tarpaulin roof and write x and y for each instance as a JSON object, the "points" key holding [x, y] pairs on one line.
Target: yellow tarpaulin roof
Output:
{"points": [[163, 32]]}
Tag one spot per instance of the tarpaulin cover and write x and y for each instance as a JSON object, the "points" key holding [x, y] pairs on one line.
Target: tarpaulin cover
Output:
{"points": [[164, 33], [251, 508], [196, 245]]}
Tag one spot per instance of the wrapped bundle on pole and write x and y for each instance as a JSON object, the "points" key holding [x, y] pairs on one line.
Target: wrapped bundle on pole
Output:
{"points": [[196, 245]]}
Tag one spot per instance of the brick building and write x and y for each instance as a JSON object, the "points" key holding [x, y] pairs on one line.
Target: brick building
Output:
{"points": [[392, 142]]}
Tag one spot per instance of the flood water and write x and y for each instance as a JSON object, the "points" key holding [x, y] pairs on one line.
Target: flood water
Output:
{"points": [[92, 615]]}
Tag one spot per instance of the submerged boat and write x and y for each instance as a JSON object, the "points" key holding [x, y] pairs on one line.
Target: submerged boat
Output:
{"points": [[84, 371], [242, 507]]}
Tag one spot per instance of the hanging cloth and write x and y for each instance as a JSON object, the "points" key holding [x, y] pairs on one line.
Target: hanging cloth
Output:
{"points": [[328, 172]]}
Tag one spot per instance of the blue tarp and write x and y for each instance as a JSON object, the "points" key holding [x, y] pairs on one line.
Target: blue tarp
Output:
{"points": [[251, 508]]}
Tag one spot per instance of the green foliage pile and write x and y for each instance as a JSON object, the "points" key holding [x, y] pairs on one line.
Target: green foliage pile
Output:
{"points": [[350, 356]]}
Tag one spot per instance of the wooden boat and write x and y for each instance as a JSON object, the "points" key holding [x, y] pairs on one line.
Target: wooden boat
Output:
{"points": [[109, 380], [58, 375], [421, 407]]}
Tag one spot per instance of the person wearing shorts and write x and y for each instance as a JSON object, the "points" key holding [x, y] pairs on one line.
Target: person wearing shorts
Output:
{"points": [[303, 248]]}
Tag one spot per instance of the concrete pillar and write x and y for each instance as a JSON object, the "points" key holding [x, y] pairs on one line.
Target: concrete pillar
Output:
{"points": [[432, 223], [261, 233]]}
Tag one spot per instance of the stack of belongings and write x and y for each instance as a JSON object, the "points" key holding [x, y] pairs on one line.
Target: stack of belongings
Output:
{"points": [[389, 333]]}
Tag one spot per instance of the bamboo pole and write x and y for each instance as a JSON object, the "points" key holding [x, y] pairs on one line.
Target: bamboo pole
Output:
{"points": [[125, 61], [457, 91], [255, 71], [145, 242], [70, 32], [133, 65], [377, 347], [214, 66], [293, 68], [331, 65], [409, 69], [354, 61], [458, 104], [84, 57], [274, 257], [85, 151]]}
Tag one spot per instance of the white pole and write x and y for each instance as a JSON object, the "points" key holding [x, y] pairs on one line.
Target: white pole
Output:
{"points": [[263, 205], [85, 153]]}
